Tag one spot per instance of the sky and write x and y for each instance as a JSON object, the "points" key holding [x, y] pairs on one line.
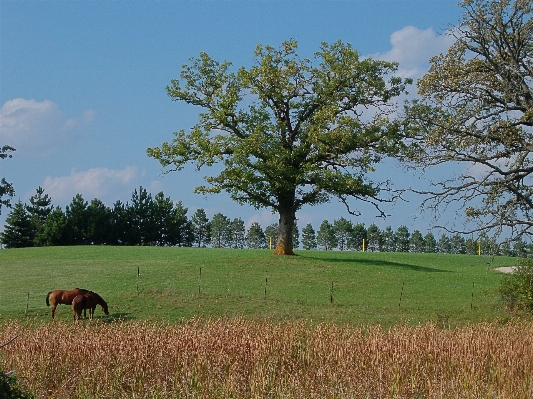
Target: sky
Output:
{"points": [[82, 89]]}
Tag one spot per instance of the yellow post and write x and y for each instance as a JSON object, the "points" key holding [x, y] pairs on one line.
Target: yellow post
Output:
{"points": [[363, 245], [270, 242], [479, 248]]}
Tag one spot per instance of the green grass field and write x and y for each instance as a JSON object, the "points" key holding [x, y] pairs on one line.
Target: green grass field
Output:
{"points": [[176, 283]]}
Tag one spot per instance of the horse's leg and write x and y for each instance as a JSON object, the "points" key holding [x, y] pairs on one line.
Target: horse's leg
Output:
{"points": [[53, 309]]}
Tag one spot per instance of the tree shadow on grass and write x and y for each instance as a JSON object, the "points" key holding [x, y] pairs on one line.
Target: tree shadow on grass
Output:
{"points": [[380, 263]]}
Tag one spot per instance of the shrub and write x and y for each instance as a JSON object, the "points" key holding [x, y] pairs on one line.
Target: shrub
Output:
{"points": [[516, 289], [10, 389]]}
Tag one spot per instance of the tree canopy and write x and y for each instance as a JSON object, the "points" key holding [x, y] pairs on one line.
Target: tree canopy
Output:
{"points": [[476, 109], [289, 131], [6, 188]]}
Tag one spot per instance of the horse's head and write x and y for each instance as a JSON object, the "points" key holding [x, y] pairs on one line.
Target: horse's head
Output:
{"points": [[104, 307]]}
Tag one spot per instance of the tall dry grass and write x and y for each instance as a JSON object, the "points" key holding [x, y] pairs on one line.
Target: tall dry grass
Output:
{"points": [[237, 358]]}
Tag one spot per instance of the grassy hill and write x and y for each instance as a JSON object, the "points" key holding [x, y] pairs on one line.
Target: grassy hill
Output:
{"points": [[175, 283]]}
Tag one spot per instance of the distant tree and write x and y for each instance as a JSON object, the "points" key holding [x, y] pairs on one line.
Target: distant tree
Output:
{"points": [[238, 231], [54, 231], [162, 217], [142, 226], [271, 233], [458, 244], [356, 237], [416, 242], [430, 243], [290, 131], [471, 246], [295, 236], [342, 228], [309, 237], [374, 238], [326, 237], [182, 230], [18, 229], [401, 238], [39, 209], [388, 240], [120, 224], [255, 238], [221, 234], [99, 225], [488, 245], [6, 189], [521, 249], [201, 228], [444, 244], [77, 221]]}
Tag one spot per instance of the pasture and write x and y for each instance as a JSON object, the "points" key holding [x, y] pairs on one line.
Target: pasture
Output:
{"points": [[254, 325], [318, 286]]}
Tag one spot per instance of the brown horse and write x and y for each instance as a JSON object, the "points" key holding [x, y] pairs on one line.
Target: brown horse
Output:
{"points": [[87, 301], [64, 297]]}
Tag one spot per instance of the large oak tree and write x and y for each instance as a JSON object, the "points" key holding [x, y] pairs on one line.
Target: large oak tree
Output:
{"points": [[477, 110], [289, 131]]}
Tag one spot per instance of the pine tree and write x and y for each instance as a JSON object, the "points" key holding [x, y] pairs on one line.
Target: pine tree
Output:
{"points": [[18, 229], [388, 241], [201, 228], [430, 243], [309, 237], [39, 209], [342, 228], [374, 238], [326, 237], [77, 221], [162, 218], [142, 229], [238, 230], [416, 242], [181, 230], [401, 238], [271, 233], [356, 237], [255, 238], [54, 229], [221, 235]]}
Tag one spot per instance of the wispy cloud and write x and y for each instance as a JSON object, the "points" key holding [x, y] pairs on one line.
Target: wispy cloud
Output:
{"points": [[35, 128], [101, 183], [412, 47], [264, 218]]}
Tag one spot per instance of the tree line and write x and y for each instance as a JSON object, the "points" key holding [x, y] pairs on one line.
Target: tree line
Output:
{"points": [[159, 221]]}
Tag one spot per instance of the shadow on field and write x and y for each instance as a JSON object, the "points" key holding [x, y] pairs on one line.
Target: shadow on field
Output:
{"points": [[378, 263]]}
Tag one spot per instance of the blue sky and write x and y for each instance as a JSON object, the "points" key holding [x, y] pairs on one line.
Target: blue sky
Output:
{"points": [[82, 87]]}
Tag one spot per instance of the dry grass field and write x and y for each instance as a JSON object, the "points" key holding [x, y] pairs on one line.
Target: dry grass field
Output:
{"points": [[241, 358]]}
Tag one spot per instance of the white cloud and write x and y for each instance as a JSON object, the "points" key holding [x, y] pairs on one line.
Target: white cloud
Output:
{"points": [[413, 47], [93, 183], [264, 218], [35, 128]]}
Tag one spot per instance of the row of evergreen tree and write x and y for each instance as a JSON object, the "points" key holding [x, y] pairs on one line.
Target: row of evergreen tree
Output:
{"points": [[157, 220]]}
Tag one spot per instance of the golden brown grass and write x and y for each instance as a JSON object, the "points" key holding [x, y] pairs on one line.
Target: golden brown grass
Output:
{"points": [[238, 358]]}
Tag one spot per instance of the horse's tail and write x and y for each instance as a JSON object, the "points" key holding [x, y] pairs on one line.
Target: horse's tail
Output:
{"points": [[48, 298]]}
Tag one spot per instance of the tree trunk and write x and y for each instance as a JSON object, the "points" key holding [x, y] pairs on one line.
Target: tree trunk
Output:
{"points": [[286, 226]]}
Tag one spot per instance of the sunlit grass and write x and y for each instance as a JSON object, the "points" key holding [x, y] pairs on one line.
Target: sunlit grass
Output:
{"points": [[176, 283]]}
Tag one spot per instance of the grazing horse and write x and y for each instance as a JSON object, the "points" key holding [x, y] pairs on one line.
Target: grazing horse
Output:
{"points": [[63, 296], [87, 301]]}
